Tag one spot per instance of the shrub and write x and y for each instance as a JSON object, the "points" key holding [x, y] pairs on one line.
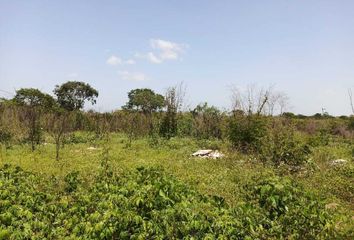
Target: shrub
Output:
{"points": [[247, 132], [150, 204], [80, 137], [351, 123], [283, 146], [5, 138], [291, 211]]}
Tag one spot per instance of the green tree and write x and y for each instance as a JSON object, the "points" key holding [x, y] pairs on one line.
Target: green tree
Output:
{"points": [[144, 100], [207, 120], [173, 101], [72, 95], [34, 102], [33, 97]]}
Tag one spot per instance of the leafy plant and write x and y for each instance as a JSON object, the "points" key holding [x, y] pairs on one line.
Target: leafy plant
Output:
{"points": [[247, 132], [150, 204]]}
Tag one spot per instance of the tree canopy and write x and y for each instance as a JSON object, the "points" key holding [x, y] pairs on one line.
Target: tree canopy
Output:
{"points": [[145, 100], [72, 95], [34, 98]]}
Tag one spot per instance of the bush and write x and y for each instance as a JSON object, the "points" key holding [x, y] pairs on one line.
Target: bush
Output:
{"points": [[150, 204], [351, 123], [291, 211], [80, 137], [247, 132], [5, 138], [283, 146]]}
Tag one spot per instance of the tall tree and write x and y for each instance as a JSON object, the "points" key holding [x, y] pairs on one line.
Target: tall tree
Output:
{"points": [[174, 98], [72, 95], [33, 102], [33, 97], [145, 100]]}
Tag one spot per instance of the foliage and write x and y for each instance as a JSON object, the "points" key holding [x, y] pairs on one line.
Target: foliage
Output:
{"points": [[294, 212], [72, 95], [5, 137], [80, 137], [33, 102], [173, 102], [351, 123], [207, 121], [33, 98], [247, 132], [149, 203], [282, 146], [145, 100]]}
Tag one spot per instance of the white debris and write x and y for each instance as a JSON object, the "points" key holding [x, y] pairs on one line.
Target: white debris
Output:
{"points": [[207, 153], [338, 162], [202, 153], [92, 148]]}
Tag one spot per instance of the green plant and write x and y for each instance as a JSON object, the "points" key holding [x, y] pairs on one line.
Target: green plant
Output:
{"points": [[292, 211], [5, 138], [247, 132], [149, 204], [283, 146]]}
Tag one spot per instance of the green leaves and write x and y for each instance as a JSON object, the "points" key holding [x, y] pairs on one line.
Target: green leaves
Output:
{"points": [[150, 204], [72, 95]]}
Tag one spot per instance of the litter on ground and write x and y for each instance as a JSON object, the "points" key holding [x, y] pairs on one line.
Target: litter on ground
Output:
{"points": [[208, 153]]}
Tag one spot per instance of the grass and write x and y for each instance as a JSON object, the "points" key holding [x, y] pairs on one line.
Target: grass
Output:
{"points": [[222, 177]]}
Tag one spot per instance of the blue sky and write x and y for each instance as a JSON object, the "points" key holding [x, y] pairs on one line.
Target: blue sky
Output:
{"points": [[303, 48]]}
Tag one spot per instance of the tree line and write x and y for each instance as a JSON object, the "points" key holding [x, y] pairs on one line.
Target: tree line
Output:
{"points": [[31, 113]]}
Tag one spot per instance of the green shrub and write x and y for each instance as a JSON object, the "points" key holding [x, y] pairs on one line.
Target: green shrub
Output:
{"points": [[283, 146], [150, 204], [291, 211], [247, 132], [351, 123], [80, 137], [5, 138]]}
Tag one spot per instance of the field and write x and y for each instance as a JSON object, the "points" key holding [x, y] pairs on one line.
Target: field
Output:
{"points": [[152, 188]]}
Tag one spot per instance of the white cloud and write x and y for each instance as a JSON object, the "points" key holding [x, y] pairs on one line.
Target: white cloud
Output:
{"points": [[114, 60], [130, 61], [132, 76], [152, 58], [163, 50]]}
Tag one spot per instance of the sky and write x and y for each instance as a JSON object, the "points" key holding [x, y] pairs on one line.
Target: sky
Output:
{"points": [[304, 48]]}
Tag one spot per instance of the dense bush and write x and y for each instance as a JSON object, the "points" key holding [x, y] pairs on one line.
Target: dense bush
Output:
{"points": [[283, 146], [247, 132], [5, 137], [80, 137], [149, 204], [294, 212]]}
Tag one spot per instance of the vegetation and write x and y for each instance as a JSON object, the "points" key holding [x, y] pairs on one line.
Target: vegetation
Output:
{"points": [[129, 174]]}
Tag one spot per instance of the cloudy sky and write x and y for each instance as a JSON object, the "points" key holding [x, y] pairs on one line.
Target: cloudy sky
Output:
{"points": [[304, 48]]}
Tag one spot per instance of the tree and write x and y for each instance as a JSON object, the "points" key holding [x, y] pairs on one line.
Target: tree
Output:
{"points": [[145, 100], [58, 125], [251, 100], [207, 121], [33, 102], [173, 101], [32, 97], [254, 100], [72, 95]]}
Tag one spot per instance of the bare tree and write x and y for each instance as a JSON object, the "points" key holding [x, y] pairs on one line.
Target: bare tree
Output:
{"points": [[254, 100], [350, 93], [283, 102], [58, 125], [251, 100], [277, 102]]}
